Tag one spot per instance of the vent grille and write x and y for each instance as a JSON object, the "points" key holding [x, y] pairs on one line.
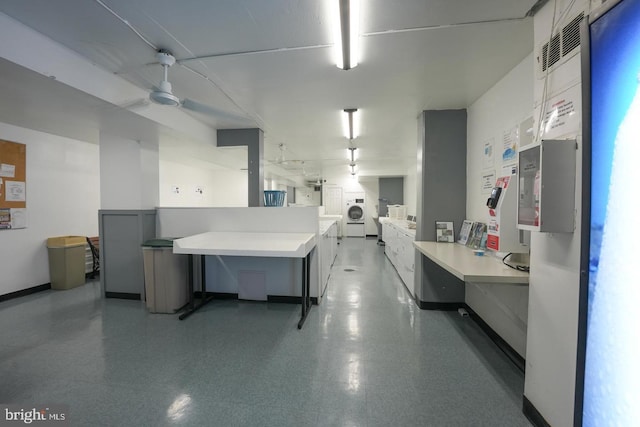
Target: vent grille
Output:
{"points": [[554, 50], [571, 35], [562, 44]]}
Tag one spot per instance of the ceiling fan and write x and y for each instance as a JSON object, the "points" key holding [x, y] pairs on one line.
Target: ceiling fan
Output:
{"points": [[163, 93], [282, 160]]}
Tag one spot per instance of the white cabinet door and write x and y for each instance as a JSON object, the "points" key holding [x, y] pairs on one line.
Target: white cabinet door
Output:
{"points": [[408, 254], [385, 232]]}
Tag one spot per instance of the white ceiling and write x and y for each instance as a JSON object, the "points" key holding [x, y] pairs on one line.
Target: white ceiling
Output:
{"points": [[268, 64]]}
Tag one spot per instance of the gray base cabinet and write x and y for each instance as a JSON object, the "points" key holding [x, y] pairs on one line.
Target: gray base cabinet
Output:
{"points": [[122, 233]]}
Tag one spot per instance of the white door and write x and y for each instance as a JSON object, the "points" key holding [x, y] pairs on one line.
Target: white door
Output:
{"points": [[333, 204], [333, 201]]}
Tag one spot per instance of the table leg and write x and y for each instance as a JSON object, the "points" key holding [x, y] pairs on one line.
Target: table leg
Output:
{"points": [[306, 291], [190, 278], [203, 289]]}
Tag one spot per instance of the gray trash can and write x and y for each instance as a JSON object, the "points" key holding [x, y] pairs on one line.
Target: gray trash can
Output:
{"points": [[165, 276], [66, 261]]}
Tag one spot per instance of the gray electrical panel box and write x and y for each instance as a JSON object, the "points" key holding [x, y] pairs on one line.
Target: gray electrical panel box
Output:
{"points": [[546, 186]]}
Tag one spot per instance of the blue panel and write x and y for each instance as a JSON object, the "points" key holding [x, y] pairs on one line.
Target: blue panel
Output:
{"points": [[612, 375]]}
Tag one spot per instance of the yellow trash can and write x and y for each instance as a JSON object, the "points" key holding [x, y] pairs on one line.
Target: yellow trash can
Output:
{"points": [[66, 261]]}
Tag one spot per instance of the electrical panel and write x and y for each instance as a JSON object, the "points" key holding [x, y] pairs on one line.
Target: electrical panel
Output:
{"points": [[546, 186]]}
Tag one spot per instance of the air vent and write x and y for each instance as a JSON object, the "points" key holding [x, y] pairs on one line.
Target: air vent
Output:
{"points": [[571, 35], [554, 50], [545, 55], [562, 44]]}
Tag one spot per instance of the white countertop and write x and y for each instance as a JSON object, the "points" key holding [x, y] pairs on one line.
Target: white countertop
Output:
{"points": [[465, 265], [401, 224], [325, 224], [325, 217], [287, 245]]}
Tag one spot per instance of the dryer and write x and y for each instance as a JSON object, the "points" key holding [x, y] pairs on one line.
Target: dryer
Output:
{"points": [[355, 210]]}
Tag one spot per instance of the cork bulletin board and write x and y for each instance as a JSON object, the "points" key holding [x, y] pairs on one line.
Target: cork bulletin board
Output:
{"points": [[13, 185]]}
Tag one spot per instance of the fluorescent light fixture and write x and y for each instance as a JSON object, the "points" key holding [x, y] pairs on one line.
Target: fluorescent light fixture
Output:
{"points": [[352, 154], [346, 33], [353, 169], [350, 123]]}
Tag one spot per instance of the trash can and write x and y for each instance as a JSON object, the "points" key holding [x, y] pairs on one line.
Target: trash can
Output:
{"points": [[165, 276], [66, 261]]}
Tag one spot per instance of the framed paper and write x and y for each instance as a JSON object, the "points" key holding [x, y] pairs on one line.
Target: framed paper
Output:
{"points": [[444, 231]]}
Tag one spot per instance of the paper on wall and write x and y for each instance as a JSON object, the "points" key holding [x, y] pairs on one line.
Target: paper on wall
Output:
{"points": [[5, 219], [15, 191], [18, 218], [7, 170], [488, 181], [561, 114], [510, 145], [487, 154], [509, 170]]}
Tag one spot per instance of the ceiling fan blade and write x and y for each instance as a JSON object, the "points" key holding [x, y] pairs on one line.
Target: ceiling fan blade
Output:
{"points": [[137, 103], [130, 105], [208, 110]]}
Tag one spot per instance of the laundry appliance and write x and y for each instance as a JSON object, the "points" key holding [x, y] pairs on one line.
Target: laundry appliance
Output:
{"points": [[354, 214]]}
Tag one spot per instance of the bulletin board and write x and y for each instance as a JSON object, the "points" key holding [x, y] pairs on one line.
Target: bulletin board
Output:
{"points": [[13, 185]]}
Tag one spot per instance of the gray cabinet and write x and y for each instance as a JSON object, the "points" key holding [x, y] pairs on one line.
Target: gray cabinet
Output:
{"points": [[122, 233], [546, 186]]}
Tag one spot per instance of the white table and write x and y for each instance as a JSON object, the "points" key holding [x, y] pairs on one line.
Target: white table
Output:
{"points": [[248, 244], [466, 266]]}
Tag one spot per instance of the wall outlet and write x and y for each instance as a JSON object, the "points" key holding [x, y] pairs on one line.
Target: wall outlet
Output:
{"points": [[175, 189]]}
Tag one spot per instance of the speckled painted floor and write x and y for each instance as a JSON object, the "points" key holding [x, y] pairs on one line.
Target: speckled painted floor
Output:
{"points": [[366, 357]]}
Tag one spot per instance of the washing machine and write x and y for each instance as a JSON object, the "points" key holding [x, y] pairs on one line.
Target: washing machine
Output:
{"points": [[355, 217]]}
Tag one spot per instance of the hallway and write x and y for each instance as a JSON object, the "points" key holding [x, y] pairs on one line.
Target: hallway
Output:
{"points": [[367, 356]]}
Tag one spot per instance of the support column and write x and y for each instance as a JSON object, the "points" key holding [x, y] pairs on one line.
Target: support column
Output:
{"points": [[129, 173], [253, 139], [442, 196], [129, 195]]}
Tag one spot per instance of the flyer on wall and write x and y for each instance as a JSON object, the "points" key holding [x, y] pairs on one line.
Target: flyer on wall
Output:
{"points": [[510, 145]]}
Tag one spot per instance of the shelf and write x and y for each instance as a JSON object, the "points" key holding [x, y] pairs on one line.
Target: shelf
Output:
{"points": [[465, 265]]}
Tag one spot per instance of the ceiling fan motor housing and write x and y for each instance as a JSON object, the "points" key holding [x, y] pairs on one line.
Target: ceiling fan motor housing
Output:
{"points": [[164, 95], [165, 58]]}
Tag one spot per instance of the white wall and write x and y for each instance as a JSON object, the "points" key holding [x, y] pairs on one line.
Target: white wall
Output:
{"points": [[555, 265], [411, 189], [220, 188], [275, 184], [63, 198], [128, 173], [502, 107], [371, 193], [307, 196]]}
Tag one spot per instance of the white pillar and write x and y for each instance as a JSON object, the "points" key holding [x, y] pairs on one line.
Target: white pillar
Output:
{"points": [[129, 173]]}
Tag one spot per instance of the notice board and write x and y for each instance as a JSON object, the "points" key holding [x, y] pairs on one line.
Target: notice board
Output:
{"points": [[13, 185]]}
